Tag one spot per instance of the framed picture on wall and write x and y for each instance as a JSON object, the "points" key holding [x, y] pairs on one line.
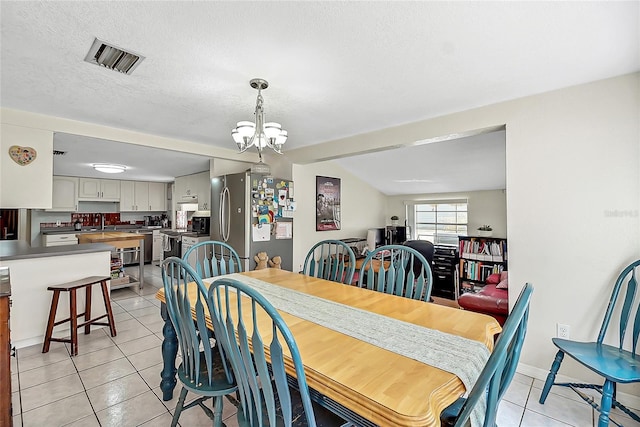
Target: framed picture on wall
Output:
{"points": [[327, 203]]}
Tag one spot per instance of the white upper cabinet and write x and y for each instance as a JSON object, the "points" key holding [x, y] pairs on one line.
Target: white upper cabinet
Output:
{"points": [[142, 196], [99, 189], [198, 184], [65, 194], [157, 196], [127, 196]]}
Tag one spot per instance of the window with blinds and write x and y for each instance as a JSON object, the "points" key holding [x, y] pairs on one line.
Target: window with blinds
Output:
{"points": [[440, 222]]}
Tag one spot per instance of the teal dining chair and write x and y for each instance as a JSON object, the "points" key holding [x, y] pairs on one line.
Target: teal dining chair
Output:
{"points": [[212, 258], [331, 260], [204, 369], [611, 362], [259, 364], [498, 371], [397, 270]]}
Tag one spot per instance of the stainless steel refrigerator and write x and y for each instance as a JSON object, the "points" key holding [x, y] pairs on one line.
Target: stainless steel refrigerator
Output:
{"points": [[242, 201]]}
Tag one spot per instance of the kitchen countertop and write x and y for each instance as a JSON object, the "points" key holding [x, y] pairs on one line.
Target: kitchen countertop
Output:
{"points": [[19, 249], [125, 228]]}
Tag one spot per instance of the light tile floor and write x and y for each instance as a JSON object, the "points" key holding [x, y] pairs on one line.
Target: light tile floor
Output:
{"points": [[116, 381]]}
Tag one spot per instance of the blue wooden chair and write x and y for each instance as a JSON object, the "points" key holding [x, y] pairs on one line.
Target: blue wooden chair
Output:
{"points": [[203, 370], [613, 363], [497, 373], [398, 270], [331, 260], [259, 365], [213, 258]]}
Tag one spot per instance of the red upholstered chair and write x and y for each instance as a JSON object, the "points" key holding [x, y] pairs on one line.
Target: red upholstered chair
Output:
{"points": [[493, 299]]}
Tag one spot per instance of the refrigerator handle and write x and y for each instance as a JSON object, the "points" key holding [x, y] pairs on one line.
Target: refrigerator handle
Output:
{"points": [[227, 215], [221, 215]]}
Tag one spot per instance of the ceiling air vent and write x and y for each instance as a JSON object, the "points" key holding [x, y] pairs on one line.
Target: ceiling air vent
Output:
{"points": [[113, 57]]}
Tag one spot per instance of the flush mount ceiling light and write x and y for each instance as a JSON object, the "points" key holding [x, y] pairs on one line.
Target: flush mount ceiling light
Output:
{"points": [[112, 57], [259, 134], [109, 168]]}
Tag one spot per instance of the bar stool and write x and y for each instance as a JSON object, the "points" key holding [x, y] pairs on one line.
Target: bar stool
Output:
{"points": [[72, 287]]}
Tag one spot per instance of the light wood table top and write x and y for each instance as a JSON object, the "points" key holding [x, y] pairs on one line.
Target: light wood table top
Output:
{"points": [[381, 386], [114, 238]]}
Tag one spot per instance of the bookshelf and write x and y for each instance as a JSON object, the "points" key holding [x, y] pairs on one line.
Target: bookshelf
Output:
{"points": [[479, 258]]}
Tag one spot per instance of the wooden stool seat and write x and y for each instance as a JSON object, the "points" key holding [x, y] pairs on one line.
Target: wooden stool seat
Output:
{"points": [[72, 287]]}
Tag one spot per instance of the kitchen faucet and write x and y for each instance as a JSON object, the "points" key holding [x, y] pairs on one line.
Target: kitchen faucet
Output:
{"points": [[102, 222]]}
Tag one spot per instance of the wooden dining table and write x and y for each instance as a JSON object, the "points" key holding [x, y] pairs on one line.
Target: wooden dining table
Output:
{"points": [[360, 381]]}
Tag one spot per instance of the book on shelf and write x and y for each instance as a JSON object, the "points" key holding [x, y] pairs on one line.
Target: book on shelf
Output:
{"points": [[483, 249]]}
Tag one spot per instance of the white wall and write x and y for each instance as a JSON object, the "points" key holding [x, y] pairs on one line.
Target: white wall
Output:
{"points": [[362, 207], [26, 186], [573, 197], [483, 207]]}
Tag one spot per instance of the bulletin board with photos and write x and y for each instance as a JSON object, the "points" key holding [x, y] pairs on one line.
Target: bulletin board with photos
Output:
{"points": [[271, 200]]}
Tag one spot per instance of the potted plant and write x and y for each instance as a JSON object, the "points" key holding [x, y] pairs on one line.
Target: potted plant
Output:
{"points": [[394, 220], [485, 230]]}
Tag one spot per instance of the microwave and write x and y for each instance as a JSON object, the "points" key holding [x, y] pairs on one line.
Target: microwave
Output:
{"points": [[201, 224]]}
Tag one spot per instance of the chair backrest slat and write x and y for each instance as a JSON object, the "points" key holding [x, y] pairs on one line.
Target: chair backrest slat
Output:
{"points": [[399, 270], [262, 380], [626, 284], [331, 260], [212, 258]]}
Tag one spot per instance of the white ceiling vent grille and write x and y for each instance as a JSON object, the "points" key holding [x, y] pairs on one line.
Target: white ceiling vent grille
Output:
{"points": [[113, 57]]}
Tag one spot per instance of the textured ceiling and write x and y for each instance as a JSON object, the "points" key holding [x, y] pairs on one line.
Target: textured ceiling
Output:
{"points": [[335, 68]]}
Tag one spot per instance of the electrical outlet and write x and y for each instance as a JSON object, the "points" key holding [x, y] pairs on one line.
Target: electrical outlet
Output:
{"points": [[563, 331]]}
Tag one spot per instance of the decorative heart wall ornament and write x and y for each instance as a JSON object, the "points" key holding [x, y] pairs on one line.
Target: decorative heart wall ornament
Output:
{"points": [[22, 155]]}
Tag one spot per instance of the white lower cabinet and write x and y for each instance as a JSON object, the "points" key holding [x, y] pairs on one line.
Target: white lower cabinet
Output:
{"points": [[59, 239]]}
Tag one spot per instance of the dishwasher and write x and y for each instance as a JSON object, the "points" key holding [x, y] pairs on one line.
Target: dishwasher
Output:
{"points": [[132, 258]]}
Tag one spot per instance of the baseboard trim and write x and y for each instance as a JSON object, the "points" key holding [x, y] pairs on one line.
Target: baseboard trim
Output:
{"points": [[630, 400]]}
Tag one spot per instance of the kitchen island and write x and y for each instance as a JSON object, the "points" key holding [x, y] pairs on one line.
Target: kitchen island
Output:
{"points": [[123, 243], [33, 269]]}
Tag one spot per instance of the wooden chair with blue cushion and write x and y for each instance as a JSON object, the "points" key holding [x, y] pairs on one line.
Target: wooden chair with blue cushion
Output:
{"points": [[612, 362], [213, 258], [397, 270], [257, 340], [203, 370], [331, 260], [497, 373]]}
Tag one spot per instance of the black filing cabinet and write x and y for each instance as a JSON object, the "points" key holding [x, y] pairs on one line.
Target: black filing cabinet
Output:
{"points": [[445, 268]]}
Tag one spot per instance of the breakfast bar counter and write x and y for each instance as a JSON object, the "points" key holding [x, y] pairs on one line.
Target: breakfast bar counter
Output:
{"points": [[34, 269]]}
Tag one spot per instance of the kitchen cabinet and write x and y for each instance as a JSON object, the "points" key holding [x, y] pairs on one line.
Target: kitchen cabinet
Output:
{"points": [[59, 239], [6, 410], [142, 196], [99, 189], [198, 184], [157, 196], [127, 196], [65, 194]]}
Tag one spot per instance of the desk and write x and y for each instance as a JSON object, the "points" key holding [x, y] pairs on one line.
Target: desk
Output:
{"points": [[378, 385]]}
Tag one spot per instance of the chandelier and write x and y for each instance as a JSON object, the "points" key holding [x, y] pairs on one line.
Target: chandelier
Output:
{"points": [[259, 134]]}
